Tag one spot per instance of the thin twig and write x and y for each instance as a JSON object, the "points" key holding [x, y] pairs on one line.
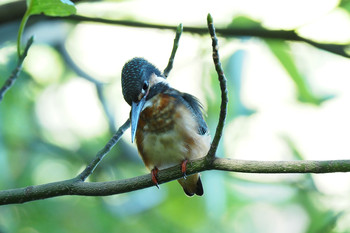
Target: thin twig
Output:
{"points": [[173, 52], [68, 59], [222, 80], [290, 35], [93, 164], [15, 73]]}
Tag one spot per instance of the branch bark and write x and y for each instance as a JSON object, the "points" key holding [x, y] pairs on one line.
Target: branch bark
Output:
{"points": [[223, 88], [173, 52]]}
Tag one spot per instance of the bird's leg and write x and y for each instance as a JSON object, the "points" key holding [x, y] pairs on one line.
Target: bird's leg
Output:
{"points": [[184, 167], [154, 173]]}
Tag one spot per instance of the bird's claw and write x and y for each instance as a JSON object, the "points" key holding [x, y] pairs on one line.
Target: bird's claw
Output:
{"points": [[154, 173], [183, 168]]}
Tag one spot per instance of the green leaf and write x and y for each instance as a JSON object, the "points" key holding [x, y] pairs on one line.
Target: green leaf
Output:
{"points": [[280, 49], [244, 22], [47, 7], [345, 4], [51, 7]]}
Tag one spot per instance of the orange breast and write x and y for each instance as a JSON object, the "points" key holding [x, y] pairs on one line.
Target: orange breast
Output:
{"points": [[155, 119], [159, 116]]}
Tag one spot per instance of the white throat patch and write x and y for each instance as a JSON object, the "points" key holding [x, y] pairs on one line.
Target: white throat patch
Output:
{"points": [[156, 79]]}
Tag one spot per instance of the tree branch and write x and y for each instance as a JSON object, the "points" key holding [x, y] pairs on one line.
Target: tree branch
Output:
{"points": [[173, 52], [98, 85], [273, 167], [78, 187], [222, 80], [15, 73], [290, 35], [93, 164]]}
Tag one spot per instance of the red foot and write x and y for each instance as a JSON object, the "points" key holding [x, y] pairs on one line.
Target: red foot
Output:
{"points": [[183, 167], [154, 173]]}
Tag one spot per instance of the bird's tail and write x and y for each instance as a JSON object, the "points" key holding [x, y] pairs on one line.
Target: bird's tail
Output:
{"points": [[192, 185]]}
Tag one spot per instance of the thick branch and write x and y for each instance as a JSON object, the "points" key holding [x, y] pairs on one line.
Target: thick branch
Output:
{"points": [[301, 166], [78, 187]]}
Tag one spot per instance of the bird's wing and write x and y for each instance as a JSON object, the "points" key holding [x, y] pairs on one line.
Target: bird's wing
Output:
{"points": [[196, 108]]}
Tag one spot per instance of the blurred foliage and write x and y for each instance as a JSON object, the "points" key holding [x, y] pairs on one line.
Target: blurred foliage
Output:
{"points": [[345, 4], [35, 149], [280, 50]]}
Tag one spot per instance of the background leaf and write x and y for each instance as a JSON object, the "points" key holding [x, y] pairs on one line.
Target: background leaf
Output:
{"points": [[281, 51], [52, 7]]}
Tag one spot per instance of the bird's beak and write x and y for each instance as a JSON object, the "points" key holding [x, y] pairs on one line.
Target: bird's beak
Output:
{"points": [[136, 109]]}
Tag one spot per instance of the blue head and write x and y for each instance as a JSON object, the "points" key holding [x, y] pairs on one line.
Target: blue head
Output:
{"points": [[136, 82], [136, 76]]}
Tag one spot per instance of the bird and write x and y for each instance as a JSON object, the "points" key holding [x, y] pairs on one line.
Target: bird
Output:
{"points": [[167, 125]]}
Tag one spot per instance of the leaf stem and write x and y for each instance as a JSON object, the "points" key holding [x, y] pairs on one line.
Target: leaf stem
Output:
{"points": [[21, 27]]}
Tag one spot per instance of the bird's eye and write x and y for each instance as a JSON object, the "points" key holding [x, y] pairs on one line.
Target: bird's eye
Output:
{"points": [[145, 86]]}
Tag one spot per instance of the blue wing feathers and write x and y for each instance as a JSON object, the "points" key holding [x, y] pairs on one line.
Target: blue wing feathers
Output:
{"points": [[196, 108]]}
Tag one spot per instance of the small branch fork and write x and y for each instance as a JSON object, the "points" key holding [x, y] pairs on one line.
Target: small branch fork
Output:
{"points": [[78, 186]]}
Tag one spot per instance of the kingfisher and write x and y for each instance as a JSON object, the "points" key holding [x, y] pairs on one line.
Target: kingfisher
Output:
{"points": [[167, 124]]}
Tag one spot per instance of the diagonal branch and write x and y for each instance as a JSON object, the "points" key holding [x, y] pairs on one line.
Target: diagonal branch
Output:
{"points": [[98, 85], [93, 164], [15, 73]]}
